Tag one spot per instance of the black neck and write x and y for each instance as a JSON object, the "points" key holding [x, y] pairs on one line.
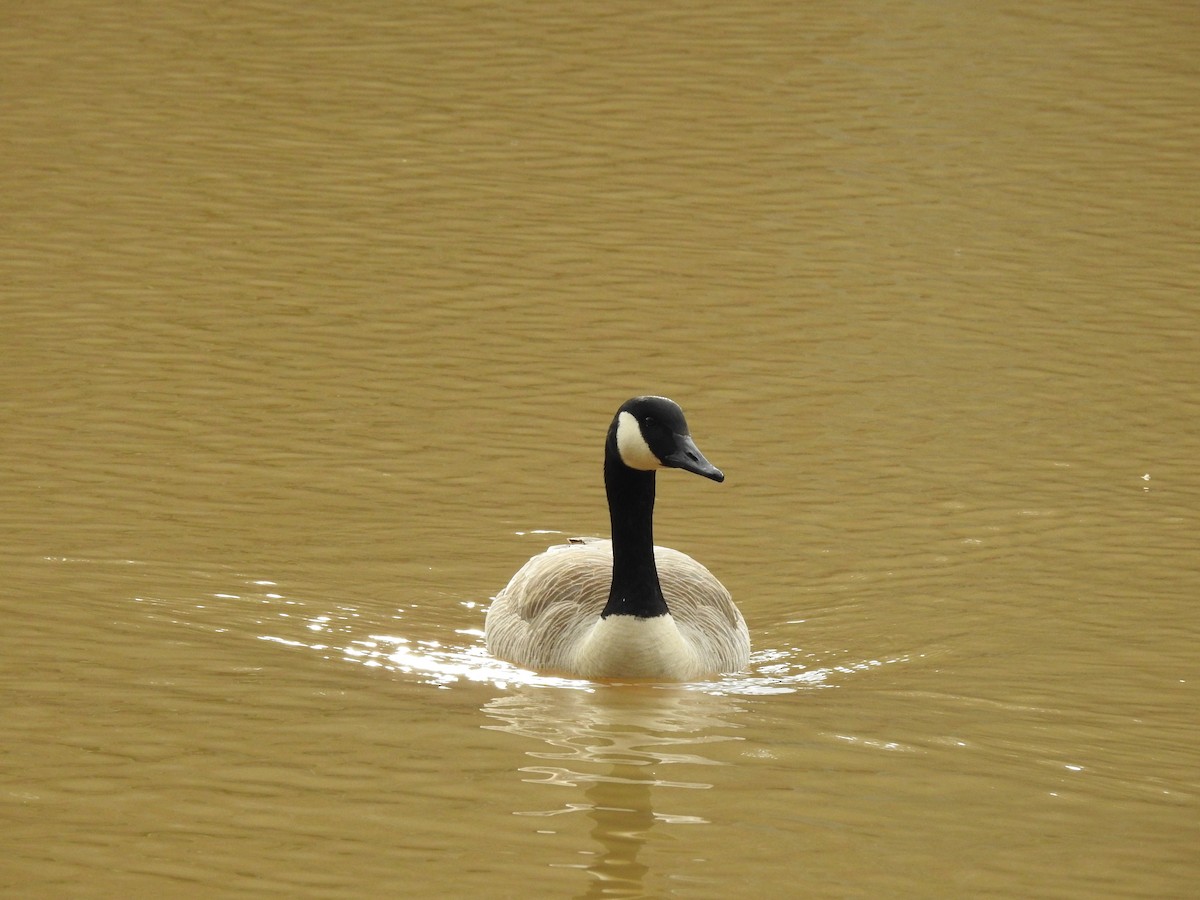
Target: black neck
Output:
{"points": [[635, 587]]}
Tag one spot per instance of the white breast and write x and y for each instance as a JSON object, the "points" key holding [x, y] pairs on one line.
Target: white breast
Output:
{"points": [[629, 647]]}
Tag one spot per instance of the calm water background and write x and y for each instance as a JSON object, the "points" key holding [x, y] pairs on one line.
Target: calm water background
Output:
{"points": [[315, 315]]}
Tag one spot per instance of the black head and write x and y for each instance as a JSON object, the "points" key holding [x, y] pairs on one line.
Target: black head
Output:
{"points": [[651, 433]]}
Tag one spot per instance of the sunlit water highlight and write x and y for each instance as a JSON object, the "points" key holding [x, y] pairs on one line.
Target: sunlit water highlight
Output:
{"points": [[348, 634], [444, 663]]}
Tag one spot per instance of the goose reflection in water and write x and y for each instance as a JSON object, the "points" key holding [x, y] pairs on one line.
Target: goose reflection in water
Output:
{"points": [[614, 744]]}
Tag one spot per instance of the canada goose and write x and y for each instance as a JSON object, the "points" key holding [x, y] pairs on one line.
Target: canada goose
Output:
{"points": [[624, 608]]}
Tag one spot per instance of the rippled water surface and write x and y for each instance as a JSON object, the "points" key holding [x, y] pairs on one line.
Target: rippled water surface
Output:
{"points": [[314, 319]]}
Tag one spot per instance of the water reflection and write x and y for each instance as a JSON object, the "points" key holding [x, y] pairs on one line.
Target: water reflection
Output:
{"points": [[623, 816], [464, 658], [450, 655], [610, 748]]}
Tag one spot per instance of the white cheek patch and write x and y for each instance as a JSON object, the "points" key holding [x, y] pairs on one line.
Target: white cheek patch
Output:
{"points": [[634, 450]]}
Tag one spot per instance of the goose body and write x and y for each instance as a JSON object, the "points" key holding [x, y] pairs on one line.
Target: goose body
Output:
{"points": [[624, 608]]}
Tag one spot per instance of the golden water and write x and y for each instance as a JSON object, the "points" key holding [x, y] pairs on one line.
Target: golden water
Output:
{"points": [[314, 319]]}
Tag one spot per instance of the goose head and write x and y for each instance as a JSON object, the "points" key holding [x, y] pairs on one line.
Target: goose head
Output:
{"points": [[650, 433]]}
